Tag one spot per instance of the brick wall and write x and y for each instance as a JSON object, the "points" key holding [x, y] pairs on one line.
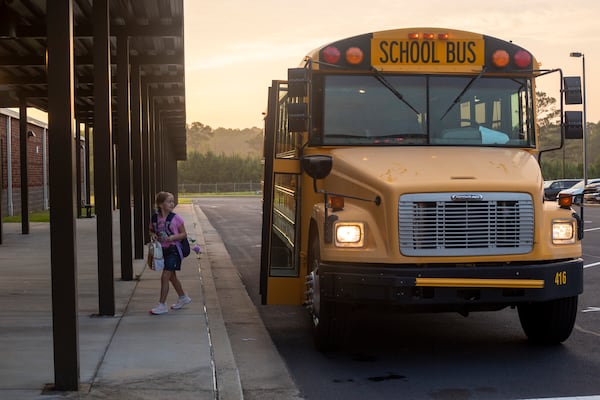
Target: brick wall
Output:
{"points": [[35, 161], [35, 169]]}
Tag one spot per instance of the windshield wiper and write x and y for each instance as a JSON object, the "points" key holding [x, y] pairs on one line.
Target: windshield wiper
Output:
{"points": [[392, 89], [462, 93]]}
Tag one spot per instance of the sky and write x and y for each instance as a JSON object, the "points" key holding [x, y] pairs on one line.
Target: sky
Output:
{"points": [[235, 48]]}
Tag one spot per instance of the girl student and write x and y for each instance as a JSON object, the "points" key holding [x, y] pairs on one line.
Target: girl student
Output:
{"points": [[169, 231]]}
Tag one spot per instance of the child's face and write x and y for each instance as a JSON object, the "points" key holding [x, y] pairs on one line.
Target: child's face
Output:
{"points": [[168, 204]]}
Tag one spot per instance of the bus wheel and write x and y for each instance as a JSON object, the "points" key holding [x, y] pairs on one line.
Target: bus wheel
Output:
{"points": [[549, 322], [325, 324]]}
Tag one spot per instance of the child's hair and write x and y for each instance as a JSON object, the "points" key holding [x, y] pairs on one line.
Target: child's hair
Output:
{"points": [[161, 197]]}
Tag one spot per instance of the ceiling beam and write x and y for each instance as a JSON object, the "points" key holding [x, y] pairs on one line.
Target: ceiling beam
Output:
{"points": [[21, 61], [154, 29]]}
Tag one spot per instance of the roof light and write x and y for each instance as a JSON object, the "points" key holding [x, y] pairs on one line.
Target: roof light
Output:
{"points": [[331, 55], [522, 59], [500, 58], [354, 55], [429, 36], [414, 36], [443, 36]]}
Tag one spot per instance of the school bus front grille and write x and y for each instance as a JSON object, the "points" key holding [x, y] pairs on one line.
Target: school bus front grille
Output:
{"points": [[465, 224]]}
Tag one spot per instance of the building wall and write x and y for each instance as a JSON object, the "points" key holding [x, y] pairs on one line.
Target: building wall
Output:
{"points": [[35, 162]]}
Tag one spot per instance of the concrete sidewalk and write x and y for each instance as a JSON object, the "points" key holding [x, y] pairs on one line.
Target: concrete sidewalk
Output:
{"points": [[184, 354]]}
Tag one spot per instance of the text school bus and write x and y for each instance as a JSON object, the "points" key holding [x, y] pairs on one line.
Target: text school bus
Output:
{"points": [[402, 169]]}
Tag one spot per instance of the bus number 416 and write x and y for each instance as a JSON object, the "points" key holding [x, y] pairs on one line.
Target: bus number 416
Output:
{"points": [[560, 278]]}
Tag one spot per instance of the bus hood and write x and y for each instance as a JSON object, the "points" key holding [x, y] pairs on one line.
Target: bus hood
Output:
{"points": [[436, 169]]}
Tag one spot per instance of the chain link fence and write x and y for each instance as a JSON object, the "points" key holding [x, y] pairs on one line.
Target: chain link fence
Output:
{"points": [[221, 187]]}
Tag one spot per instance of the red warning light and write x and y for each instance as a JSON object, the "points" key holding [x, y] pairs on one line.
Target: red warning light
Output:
{"points": [[522, 59], [331, 55]]}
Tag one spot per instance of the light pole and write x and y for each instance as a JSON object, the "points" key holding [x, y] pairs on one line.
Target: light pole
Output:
{"points": [[578, 54]]}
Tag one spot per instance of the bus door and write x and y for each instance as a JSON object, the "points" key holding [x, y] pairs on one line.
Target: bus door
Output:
{"points": [[280, 281]]}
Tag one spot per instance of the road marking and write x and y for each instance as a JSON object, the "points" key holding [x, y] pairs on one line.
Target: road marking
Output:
{"points": [[591, 229], [592, 265], [591, 309], [594, 397], [580, 329]]}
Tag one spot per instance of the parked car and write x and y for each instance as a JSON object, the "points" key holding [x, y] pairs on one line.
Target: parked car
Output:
{"points": [[591, 193], [577, 190], [551, 188]]}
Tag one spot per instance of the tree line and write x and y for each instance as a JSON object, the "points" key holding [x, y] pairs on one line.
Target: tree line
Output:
{"points": [[568, 161], [234, 155], [215, 168]]}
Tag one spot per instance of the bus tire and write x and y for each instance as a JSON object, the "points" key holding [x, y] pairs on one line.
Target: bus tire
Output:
{"points": [[325, 314], [549, 322]]}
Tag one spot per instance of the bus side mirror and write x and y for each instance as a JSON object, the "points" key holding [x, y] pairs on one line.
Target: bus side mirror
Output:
{"points": [[572, 90], [573, 125], [317, 166], [297, 82], [297, 117], [297, 111]]}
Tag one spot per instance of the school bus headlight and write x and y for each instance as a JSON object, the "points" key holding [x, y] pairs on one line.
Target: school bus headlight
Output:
{"points": [[563, 231], [349, 234]]}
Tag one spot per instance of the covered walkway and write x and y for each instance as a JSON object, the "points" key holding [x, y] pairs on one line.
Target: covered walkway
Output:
{"points": [[110, 73]]}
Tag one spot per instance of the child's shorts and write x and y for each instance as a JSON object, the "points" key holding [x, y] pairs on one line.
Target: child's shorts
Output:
{"points": [[172, 260]]}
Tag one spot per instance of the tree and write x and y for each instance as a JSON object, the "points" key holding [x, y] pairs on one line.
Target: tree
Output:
{"points": [[547, 114], [212, 168]]}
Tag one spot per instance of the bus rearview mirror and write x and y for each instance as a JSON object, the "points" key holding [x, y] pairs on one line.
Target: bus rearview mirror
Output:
{"points": [[573, 125], [317, 166], [297, 117], [572, 90], [297, 82]]}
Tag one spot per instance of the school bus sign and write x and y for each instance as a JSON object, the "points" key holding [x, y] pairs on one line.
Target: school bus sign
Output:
{"points": [[393, 52]]}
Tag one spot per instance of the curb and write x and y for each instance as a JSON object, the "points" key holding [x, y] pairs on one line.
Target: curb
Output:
{"points": [[246, 355], [226, 379]]}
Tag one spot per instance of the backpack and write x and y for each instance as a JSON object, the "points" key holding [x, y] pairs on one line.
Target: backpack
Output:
{"points": [[185, 245]]}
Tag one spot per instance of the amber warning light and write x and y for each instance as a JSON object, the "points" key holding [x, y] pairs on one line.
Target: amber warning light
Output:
{"points": [[354, 55], [565, 201]]}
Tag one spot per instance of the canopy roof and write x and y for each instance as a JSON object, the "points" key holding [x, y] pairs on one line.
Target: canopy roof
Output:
{"points": [[155, 32]]}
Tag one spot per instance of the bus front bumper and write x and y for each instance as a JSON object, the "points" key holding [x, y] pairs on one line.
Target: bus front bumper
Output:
{"points": [[497, 286]]}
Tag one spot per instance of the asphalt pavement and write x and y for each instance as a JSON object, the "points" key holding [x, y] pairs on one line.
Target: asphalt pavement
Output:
{"points": [[214, 348]]}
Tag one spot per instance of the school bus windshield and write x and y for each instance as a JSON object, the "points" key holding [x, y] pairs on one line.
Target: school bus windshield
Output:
{"points": [[426, 110]]}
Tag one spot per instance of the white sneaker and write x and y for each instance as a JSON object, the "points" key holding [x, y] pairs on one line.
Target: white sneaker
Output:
{"points": [[181, 302], [161, 308]]}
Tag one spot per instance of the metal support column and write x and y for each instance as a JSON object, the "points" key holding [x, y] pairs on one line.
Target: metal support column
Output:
{"points": [[23, 160], [1, 188], [77, 143], [124, 156], [146, 160], [63, 238], [156, 141], [86, 157], [103, 166], [155, 183], [136, 155]]}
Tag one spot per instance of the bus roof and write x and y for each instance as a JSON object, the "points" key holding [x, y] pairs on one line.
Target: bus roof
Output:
{"points": [[425, 50]]}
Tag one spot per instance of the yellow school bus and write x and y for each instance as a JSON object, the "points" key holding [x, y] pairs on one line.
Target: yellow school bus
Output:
{"points": [[401, 171]]}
